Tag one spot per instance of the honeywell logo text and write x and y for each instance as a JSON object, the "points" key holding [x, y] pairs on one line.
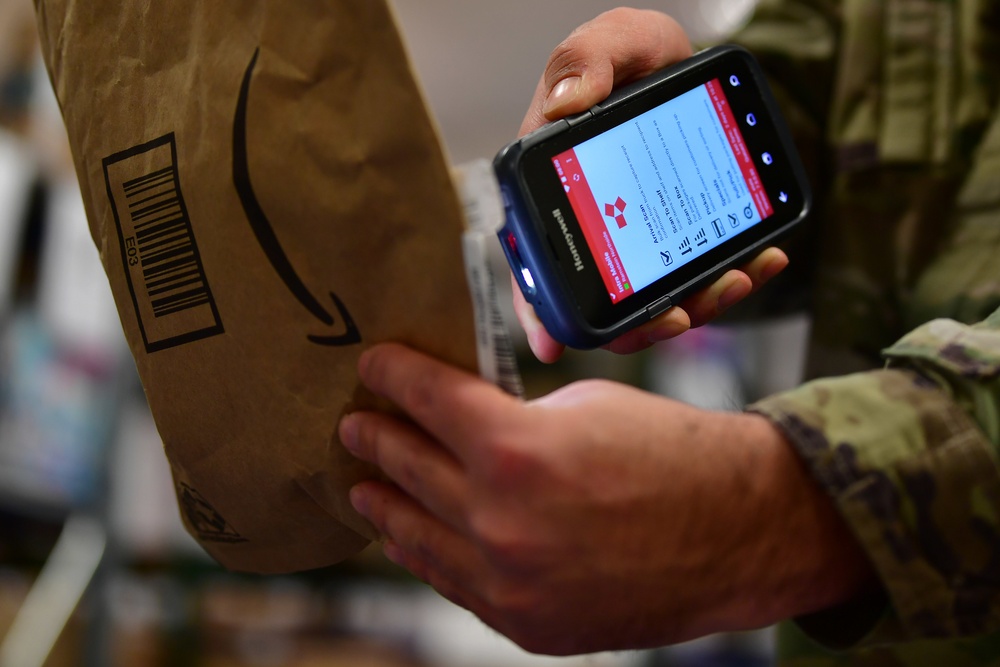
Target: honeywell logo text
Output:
{"points": [[577, 261]]}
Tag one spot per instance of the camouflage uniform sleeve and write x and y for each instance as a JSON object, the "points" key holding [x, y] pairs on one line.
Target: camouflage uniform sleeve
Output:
{"points": [[909, 456], [909, 453]]}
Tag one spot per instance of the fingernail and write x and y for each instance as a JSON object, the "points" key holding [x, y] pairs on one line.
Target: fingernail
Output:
{"points": [[564, 93], [731, 296], [360, 500], [349, 433]]}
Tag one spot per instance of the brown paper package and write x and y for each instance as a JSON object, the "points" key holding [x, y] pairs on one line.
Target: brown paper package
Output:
{"points": [[269, 198]]}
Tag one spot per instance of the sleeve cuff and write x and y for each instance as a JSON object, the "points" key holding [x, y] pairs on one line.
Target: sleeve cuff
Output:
{"points": [[917, 482]]}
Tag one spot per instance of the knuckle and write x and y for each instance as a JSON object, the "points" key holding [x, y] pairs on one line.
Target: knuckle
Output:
{"points": [[579, 391], [589, 42], [590, 386], [620, 16], [569, 58], [506, 551], [369, 433], [423, 548], [506, 546], [379, 518], [507, 462], [613, 22], [375, 443], [420, 394], [407, 475]]}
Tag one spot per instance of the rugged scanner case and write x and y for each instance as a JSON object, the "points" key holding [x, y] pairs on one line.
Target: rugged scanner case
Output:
{"points": [[524, 236]]}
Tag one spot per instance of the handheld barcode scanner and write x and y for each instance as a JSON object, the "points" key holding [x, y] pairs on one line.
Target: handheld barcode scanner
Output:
{"points": [[616, 214]]}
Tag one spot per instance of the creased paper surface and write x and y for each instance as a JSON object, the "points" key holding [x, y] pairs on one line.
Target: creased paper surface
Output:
{"points": [[269, 197]]}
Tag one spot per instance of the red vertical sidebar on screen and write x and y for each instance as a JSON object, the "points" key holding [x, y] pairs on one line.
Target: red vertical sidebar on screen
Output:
{"points": [[743, 158], [581, 198]]}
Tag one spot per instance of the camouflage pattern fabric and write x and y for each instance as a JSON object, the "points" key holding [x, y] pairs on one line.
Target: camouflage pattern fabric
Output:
{"points": [[895, 106]]}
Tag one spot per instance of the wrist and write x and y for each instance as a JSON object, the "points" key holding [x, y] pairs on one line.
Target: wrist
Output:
{"points": [[804, 557]]}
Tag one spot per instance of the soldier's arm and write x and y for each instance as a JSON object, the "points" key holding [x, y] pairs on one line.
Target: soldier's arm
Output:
{"points": [[910, 454]]}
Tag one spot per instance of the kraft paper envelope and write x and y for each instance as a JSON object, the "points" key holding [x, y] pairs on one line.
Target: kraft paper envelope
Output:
{"points": [[269, 197]]}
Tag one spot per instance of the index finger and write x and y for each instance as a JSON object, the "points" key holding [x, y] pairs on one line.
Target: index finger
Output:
{"points": [[455, 407]]}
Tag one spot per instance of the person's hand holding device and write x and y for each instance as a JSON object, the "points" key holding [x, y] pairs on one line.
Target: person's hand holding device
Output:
{"points": [[640, 215]]}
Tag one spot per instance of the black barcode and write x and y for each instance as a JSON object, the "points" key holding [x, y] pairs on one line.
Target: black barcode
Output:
{"points": [[481, 200], [508, 376], [170, 269], [170, 292]]}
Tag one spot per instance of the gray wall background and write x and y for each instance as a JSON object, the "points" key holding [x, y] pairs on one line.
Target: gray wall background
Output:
{"points": [[479, 61]]}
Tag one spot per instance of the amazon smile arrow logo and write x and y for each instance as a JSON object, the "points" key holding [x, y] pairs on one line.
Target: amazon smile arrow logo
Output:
{"points": [[268, 239]]}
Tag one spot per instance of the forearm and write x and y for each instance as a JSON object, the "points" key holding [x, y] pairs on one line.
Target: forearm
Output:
{"points": [[799, 555], [597, 517]]}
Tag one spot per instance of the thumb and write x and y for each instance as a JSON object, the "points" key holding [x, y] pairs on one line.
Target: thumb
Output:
{"points": [[617, 47]]}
